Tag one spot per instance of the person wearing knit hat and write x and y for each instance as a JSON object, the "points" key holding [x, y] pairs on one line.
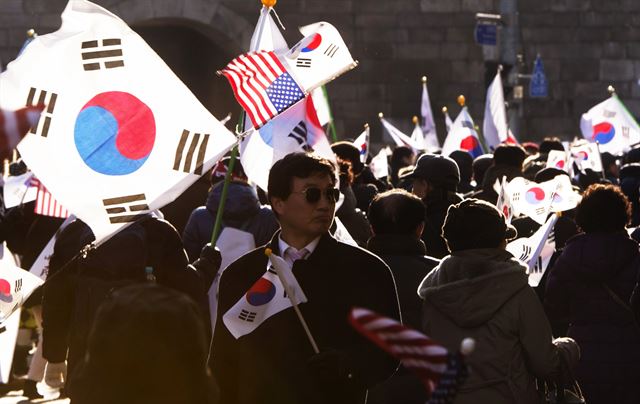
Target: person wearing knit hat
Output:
{"points": [[481, 291], [434, 180]]}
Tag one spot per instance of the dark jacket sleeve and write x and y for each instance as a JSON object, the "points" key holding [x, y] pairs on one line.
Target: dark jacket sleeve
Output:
{"points": [[371, 365], [59, 291], [556, 298], [536, 338]]}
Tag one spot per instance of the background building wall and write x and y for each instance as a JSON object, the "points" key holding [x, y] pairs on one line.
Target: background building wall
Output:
{"points": [[585, 45]]}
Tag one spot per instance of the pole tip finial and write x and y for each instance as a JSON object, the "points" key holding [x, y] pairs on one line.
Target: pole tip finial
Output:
{"points": [[467, 346], [31, 33], [268, 252], [424, 79], [414, 119], [366, 125], [611, 90], [380, 115], [444, 110], [461, 100], [269, 3]]}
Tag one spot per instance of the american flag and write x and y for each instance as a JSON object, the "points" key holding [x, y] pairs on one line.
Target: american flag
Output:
{"points": [[262, 85], [46, 204], [440, 371], [14, 125]]}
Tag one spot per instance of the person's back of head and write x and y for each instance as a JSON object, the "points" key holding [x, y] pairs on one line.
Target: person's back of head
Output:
{"points": [[480, 166], [465, 164], [509, 155], [603, 209], [550, 143], [475, 224], [347, 151], [396, 212], [147, 345]]}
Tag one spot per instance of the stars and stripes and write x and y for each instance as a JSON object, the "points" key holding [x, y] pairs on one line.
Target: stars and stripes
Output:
{"points": [[14, 125], [440, 371], [262, 86], [46, 204]]}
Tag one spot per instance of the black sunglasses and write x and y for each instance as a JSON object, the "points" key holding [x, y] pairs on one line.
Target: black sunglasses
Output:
{"points": [[313, 194]]}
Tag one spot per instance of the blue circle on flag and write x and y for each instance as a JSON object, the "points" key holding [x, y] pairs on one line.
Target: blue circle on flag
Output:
{"points": [[262, 292], [115, 133]]}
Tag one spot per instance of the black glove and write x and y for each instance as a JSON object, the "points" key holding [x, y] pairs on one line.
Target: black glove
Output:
{"points": [[209, 263]]}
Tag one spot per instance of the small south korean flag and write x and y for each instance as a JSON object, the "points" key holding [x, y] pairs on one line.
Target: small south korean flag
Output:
{"points": [[265, 298]]}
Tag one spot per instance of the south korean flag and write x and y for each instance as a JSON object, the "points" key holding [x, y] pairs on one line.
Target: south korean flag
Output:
{"points": [[120, 135], [265, 298]]}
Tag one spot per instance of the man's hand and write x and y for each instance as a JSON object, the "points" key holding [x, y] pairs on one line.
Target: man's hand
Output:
{"points": [[55, 374]]}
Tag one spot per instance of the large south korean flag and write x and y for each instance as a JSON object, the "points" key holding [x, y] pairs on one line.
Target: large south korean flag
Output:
{"points": [[120, 135]]}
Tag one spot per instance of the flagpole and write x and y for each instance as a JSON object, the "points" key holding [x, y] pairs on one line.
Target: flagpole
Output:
{"points": [[225, 191], [332, 127]]}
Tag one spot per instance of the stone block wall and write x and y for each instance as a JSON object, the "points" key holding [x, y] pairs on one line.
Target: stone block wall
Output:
{"points": [[585, 45]]}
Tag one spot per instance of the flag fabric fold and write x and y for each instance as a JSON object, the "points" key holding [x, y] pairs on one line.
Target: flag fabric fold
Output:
{"points": [[14, 125], [121, 135], [399, 138], [441, 372], [268, 82], [586, 156], [610, 124], [264, 299], [463, 136], [379, 165], [362, 144], [296, 129], [494, 126], [536, 251], [431, 143]]}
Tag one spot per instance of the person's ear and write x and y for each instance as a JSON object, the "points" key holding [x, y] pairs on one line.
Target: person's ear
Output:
{"points": [[277, 204]]}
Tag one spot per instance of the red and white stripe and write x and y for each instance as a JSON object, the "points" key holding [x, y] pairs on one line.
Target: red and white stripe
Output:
{"points": [[416, 351], [250, 75], [14, 125], [46, 204]]}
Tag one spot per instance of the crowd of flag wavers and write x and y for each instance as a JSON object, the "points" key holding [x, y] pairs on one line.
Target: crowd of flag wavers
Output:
{"points": [[151, 255]]}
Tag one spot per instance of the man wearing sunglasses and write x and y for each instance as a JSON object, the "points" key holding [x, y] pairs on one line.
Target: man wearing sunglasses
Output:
{"points": [[275, 363]]}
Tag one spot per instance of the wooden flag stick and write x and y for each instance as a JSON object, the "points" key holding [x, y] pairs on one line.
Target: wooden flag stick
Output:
{"points": [[290, 294]]}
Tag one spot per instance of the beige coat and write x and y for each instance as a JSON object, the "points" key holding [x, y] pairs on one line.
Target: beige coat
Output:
{"points": [[483, 294]]}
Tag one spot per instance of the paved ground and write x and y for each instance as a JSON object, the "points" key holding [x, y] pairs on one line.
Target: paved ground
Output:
{"points": [[15, 397]]}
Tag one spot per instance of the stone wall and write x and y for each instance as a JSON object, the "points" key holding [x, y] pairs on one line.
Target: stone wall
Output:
{"points": [[585, 45]]}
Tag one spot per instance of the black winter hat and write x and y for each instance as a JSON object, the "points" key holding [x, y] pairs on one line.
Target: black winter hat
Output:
{"points": [[474, 223], [438, 169], [509, 155]]}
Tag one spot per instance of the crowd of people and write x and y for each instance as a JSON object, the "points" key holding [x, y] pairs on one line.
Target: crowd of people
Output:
{"points": [[151, 315]]}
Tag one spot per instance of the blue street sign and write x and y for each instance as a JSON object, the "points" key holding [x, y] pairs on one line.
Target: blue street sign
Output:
{"points": [[486, 34], [538, 87]]}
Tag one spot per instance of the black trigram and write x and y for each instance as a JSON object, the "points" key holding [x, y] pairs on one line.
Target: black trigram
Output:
{"points": [[538, 266], [107, 51], [43, 97], [303, 62], [608, 114], [17, 287], [299, 134], [248, 316], [541, 211], [197, 146], [125, 209], [526, 251], [467, 124], [331, 50], [515, 197], [625, 131]]}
